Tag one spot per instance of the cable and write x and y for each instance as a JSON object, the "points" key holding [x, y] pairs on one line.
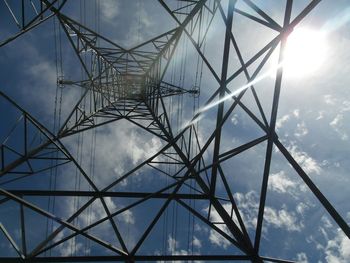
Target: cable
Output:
{"points": [[56, 124]]}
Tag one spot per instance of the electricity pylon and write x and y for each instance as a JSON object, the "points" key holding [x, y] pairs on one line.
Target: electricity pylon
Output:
{"points": [[130, 84]]}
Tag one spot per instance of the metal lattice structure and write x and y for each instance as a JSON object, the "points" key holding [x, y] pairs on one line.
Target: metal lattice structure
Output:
{"points": [[120, 85]]}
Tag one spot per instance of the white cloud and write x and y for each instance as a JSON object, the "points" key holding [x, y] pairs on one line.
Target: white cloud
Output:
{"points": [[345, 106], [335, 246], [329, 99], [173, 246], [142, 150], [309, 164], [338, 125], [301, 207], [196, 242], [296, 113], [97, 212], [140, 27], [301, 130], [302, 258], [337, 249], [280, 183], [71, 246], [218, 240], [120, 148], [128, 217], [199, 228], [45, 71], [119, 171], [214, 237], [42, 74], [282, 219], [326, 222], [110, 9], [248, 205], [234, 119], [281, 121], [320, 115]]}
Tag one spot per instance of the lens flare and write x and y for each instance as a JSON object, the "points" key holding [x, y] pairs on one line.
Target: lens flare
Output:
{"points": [[305, 52]]}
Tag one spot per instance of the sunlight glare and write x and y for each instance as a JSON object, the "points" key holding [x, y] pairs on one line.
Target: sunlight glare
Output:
{"points": [[305, 52]]}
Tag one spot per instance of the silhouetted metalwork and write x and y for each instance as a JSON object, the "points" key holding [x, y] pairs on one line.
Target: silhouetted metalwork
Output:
{"points": [[129, 84]]}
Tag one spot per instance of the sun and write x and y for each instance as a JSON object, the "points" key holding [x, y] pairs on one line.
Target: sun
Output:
{"points": [[305, 53]]}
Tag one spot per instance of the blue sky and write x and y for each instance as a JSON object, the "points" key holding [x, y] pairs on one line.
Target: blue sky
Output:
{"points": [[312, 123]]}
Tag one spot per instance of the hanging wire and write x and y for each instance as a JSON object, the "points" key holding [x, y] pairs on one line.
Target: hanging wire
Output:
{"points": [[92, 166], [139, 22], [168, 167], [51, 206], [92, 176], [80, 141]]}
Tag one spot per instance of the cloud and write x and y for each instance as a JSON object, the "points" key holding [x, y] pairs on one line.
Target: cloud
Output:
{"points": [[329, 99], [128, 217], [140, 28], [296, 113], [44, 71], [119, 148], [234, 119], [92, 214], [301, 208], [301, 130], [216, 239], [338, 126], [335, 246], [281, 121], [282, 219], [280, 183], [196, 242], [302, 258], [337, 249], [97, 212], [309, 164], [248, 205], [173, 245], [326, 222], [71, 246], [276, 218], [38, 85], [110, 10], [320, 115], [42, 75]]}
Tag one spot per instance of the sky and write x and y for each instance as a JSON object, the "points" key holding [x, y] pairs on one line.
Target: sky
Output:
{"points": [[312, 123]]}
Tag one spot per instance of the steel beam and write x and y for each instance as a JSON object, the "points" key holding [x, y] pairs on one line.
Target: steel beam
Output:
{"points": [[271, 131]]}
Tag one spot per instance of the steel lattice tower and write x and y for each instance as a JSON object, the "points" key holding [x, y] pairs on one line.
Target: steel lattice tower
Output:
{"points": [[120, 85]]}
